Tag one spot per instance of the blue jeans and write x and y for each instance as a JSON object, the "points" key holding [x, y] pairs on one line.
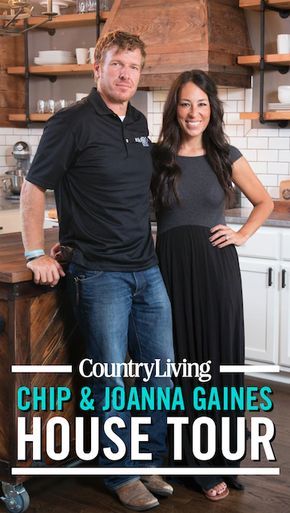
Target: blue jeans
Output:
{"points": [[120, 312]]}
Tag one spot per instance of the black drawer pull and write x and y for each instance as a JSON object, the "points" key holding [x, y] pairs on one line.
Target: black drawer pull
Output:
{"points": [[270, 276], [283, 278]]}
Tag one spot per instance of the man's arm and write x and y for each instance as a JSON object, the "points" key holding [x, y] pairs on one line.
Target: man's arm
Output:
{"points": [[46, 270]]}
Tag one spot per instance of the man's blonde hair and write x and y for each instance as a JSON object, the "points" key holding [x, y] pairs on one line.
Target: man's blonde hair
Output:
{"points": [[123, 41]]}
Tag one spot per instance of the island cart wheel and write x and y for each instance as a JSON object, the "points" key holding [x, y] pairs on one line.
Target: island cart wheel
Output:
{"points": [[16, 498]]}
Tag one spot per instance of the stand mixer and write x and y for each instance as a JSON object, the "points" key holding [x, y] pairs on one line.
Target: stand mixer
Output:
{"points": [[13, 180]]}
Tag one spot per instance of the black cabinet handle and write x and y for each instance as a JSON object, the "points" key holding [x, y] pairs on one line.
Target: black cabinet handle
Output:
{"points": [[270, 276], [283, 278], [2, 325], [1, 227]]}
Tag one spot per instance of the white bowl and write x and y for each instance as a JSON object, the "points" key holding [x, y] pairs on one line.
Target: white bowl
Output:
{"points": [[284, 94]]}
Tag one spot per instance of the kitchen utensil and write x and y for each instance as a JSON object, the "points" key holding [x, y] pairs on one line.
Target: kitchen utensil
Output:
{"points": [[285, 190], [12, 182], [284, 94], [283, 43]]}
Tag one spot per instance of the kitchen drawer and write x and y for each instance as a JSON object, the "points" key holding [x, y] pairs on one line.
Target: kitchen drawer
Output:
{"points": [[285, 246], [265, 243]]}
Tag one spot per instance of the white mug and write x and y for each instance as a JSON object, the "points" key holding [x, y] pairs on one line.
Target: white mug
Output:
{"points": [[92, 54], [283, 43], [82, 55]]}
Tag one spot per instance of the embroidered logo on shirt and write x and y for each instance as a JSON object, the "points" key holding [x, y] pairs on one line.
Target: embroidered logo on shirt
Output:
{"points": [[143, 140]]}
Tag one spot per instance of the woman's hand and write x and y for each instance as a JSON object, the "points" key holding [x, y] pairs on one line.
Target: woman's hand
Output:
{"points": [[223, 236]]}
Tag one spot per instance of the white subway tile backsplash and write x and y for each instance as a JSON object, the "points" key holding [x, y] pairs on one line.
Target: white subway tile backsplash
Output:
{"points": [[259, 167], [233, 118], [222, 93], [157, 119], [230, 106], [252, 133], [269, 155], [278, 168], [236, 94], [250, 155], [231, 130], [241, 130], [241, 106], [5, 131], [284, 156], [279, 143], [267, 132], [284, 132], [258, 142], [274, 192], [239, 142], [269, 180], [160, 96]]}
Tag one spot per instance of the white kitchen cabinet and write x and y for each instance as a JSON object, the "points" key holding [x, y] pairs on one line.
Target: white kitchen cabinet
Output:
{"points": [[261, 309], [284, 357], [265, 270]]}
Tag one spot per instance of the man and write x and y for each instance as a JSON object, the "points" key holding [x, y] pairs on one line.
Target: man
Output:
{"points": [[96, 157]]}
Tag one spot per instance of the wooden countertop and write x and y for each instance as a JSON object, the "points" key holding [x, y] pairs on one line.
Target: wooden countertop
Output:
{"points": [[12, 262]]}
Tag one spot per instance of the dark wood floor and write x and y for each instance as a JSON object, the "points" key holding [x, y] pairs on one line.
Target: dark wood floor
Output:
{"points": [[263, 494]]}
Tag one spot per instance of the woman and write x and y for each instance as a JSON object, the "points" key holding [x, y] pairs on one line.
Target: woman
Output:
{"points": [[194, 170]]}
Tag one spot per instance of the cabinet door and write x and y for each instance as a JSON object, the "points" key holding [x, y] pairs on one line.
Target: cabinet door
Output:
{"points": [[284, 358], [261, 309]]}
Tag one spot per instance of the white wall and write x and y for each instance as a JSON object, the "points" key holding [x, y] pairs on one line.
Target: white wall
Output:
{"points": [[267, 148]]}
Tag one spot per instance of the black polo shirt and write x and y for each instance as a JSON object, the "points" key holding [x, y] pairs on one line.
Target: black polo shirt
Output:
{"points": [[100, 169]]}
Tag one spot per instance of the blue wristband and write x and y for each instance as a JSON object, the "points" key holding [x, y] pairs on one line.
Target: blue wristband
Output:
{"points": [[34, 253]]}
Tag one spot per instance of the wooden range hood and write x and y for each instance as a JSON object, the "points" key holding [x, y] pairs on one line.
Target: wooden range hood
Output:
{"points": [[181, 35]]}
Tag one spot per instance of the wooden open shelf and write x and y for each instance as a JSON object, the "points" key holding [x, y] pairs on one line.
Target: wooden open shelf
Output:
{"points": [[69, 20], [269, 116], [53, 70], [273, 58], [255, 4], [33, 117]]}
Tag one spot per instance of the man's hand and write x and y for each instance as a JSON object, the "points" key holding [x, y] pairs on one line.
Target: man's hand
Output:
{"points": [[46, 270], [55, 250]]}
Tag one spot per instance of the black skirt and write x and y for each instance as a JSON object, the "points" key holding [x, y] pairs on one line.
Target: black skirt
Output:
{"points": [[204, 286]]}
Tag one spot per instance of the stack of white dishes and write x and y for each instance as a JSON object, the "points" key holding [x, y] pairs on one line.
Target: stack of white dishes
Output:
{"points": [[279, 106], [283, 97], [47, 57]]}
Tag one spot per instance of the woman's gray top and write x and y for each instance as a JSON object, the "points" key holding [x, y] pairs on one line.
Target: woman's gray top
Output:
{"points": [[201, 196]]}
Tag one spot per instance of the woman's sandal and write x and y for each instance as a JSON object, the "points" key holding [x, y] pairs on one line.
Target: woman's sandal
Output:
{"points": [[218, 496]]}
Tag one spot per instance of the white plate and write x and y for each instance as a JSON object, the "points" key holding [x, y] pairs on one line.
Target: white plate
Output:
{"points": [[53, 60], [279, 106]]}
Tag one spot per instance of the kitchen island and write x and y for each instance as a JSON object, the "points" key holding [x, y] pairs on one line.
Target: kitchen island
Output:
{"points": [[36, 328]]}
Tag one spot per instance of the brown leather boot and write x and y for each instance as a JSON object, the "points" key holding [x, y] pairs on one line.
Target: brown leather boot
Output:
{"points": [[135, 495], [157, 485]]}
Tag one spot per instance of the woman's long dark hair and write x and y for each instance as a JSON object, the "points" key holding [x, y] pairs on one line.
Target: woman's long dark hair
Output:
{"points": [[167, 172]]}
